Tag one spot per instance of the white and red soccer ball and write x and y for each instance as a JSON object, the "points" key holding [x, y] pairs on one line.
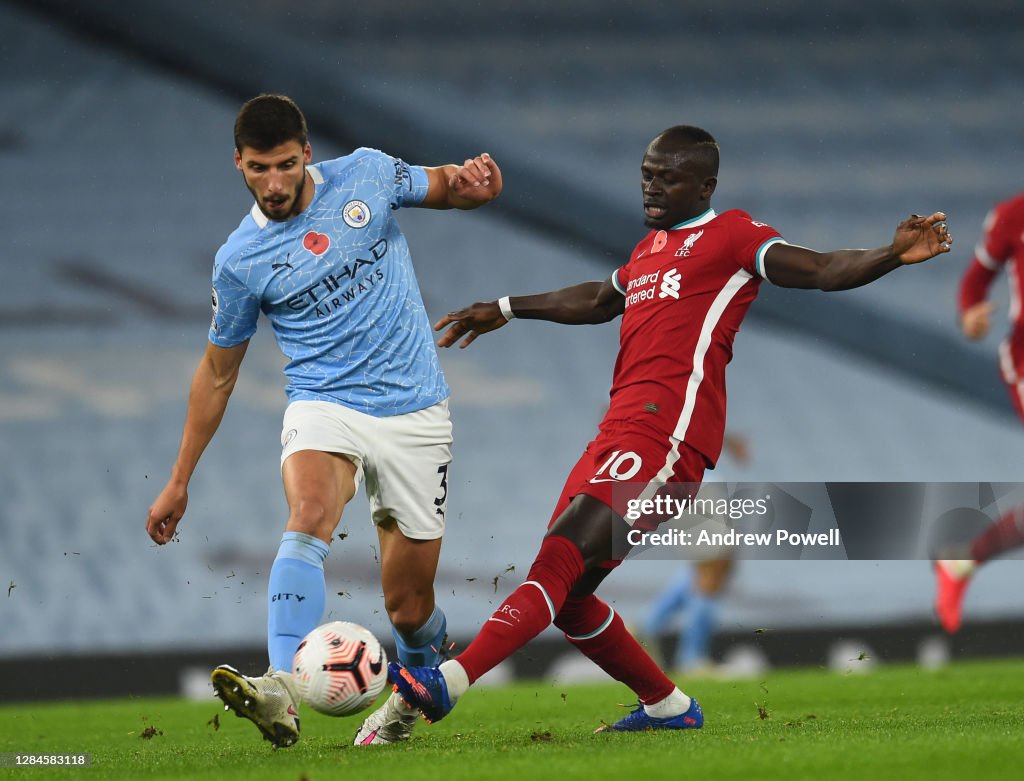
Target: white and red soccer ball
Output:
{"points": [[340, 668]]}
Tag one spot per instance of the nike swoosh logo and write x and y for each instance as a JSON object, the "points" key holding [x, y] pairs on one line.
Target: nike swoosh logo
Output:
{"points": [[369, 738], [375, 667], [603, 480]]}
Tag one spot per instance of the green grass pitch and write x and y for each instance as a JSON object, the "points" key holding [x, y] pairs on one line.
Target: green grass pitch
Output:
{"points": [[896, 722]]}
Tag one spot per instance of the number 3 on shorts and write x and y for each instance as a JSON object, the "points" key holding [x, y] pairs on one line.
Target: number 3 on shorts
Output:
{"points": [[439, 502]]}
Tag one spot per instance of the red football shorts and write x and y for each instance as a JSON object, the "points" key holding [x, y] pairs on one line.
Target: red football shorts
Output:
{"points": [[624, 463]]}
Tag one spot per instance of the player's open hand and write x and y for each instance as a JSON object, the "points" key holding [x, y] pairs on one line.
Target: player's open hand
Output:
{"points": [[470, 322], [165, 512], [920, 238], [477, 180]]}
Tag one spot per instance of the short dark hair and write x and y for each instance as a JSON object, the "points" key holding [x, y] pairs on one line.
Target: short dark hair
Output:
{"points": [[694, 141], [267, 121]]}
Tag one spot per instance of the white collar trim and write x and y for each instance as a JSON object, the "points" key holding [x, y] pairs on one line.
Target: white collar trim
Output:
{"points": [[258, 217], [703, 219]]}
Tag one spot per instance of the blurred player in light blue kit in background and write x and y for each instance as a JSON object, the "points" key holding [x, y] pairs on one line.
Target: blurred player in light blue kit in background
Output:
{"points": [[322, 256], [696, 590]]}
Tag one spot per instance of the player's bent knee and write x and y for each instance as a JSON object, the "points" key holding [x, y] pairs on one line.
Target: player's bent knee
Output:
{"points": [[592, 527], [311, 516]]}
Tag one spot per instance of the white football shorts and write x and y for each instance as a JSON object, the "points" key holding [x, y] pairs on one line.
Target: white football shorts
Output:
{"points": [[403, 458]]}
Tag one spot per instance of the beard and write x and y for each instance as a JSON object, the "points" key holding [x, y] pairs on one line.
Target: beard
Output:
{"points": [[296, 206]]}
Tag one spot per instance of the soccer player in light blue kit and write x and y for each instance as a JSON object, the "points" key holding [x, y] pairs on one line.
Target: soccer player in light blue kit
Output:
{"points": [[322, 256]]}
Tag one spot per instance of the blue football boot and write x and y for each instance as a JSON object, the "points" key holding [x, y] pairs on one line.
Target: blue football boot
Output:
{"points": [[423, 688], [639, 721]]}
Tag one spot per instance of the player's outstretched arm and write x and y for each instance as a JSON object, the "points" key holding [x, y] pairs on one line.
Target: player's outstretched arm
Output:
{"points": [[917, 239], [972, 297], [583, 304], [212, 384], [474, 183]]}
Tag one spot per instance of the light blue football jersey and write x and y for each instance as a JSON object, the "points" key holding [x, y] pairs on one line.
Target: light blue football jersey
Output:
{"points": [[337, 284]]}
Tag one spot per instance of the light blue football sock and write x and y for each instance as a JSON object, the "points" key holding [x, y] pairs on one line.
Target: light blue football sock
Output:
{"points": [[669, 601], [425, 646], [296, 595], [702, 618]]}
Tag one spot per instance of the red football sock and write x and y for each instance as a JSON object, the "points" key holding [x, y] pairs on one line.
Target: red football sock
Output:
{"points": [[528, 609], [1003, 535], [598, 632]]}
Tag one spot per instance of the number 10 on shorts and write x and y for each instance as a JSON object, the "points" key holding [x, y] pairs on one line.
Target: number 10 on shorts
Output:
{"points": [[621, 466]]}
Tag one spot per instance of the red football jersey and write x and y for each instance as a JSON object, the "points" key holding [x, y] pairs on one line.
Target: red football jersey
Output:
{"points": [[1001, 244], [687, 290]]}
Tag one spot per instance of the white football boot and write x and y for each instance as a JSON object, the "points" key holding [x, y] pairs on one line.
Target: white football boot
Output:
{"points": [[392, 722], [269, 701]]}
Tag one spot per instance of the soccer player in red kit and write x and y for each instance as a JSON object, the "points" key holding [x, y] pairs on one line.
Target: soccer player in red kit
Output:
{"points": [[1001, 244], [682, 297]]}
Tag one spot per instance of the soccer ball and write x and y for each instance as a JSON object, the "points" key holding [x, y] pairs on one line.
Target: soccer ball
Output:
{"points": [[340, 668]]}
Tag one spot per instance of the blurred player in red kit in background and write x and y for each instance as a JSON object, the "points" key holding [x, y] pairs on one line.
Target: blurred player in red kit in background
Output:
{"points": [[682, 297], [1001, 244]]}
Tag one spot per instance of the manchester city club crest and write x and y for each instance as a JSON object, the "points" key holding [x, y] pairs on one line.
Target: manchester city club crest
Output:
{"points": [[356, 214]]}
